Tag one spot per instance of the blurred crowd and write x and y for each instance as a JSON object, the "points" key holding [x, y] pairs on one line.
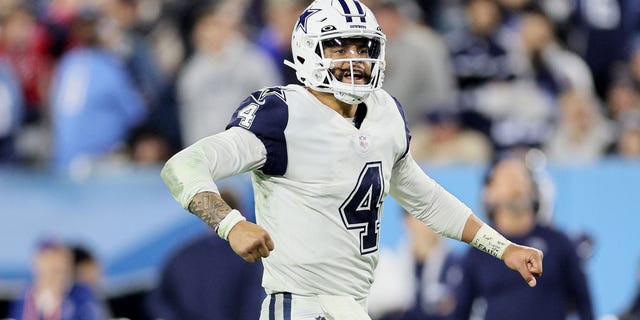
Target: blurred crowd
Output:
{"points": [[93, 82], [85, 82]]}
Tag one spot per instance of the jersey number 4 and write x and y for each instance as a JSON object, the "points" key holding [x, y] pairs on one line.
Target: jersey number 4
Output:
{"points": [[361, 210], [247, 114]]}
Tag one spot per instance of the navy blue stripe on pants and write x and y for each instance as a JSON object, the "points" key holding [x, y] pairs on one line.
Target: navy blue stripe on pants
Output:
{"points": [[286, 306], [272, 307]]}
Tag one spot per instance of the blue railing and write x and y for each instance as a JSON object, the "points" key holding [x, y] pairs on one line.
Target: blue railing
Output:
{"points": [[129, 219]]}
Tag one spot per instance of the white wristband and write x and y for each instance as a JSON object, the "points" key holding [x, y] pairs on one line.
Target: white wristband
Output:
{"points": [[224, 227], [490, 241]]}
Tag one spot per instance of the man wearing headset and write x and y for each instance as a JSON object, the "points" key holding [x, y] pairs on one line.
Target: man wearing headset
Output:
{"points": [[511, 200]]}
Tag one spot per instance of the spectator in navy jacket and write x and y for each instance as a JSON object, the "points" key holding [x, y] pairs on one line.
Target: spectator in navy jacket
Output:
{"points": [[490, 293], [436, 274], [191, 286]]}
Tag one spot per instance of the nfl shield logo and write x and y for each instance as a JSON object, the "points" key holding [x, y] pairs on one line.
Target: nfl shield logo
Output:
{"points": [[362, 143]]}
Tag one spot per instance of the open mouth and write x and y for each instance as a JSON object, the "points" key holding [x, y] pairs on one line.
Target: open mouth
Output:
{"points": [[357, 76]]}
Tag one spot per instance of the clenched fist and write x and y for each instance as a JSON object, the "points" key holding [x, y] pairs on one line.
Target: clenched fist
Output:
{"points": [[526, 260], [250, 241]]}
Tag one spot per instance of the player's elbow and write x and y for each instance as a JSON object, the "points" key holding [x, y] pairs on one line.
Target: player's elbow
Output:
{"points": [[170, 178], [165, 173]]}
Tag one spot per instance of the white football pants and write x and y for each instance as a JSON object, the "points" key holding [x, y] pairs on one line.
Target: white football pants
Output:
{"points": [[287, 306]]}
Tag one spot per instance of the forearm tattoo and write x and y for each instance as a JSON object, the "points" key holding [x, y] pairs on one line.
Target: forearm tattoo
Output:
{"points": [[209, 207]]}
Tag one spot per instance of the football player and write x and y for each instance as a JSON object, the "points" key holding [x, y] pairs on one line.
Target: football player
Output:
{"points": [[322, 158]]}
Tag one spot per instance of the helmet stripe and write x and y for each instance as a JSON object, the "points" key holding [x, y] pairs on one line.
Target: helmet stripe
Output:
{"points": [[360, 11], [346, 10]]}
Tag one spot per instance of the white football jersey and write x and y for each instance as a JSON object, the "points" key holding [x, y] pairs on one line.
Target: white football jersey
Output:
{"points": [[319, 194], [319, 182]]}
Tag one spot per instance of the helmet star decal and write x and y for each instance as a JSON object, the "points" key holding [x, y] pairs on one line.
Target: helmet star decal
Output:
{"points": [[302, 21]]}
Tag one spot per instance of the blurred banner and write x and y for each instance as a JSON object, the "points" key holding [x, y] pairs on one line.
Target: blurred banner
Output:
{"points": [[131, 222]]}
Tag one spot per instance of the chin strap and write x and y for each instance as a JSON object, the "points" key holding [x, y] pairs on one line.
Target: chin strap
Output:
{"points": [[295, 68], [290, 64]]}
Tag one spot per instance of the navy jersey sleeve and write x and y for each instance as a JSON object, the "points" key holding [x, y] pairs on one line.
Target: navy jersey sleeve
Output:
{"points": [[406, 126], [265, 113]]}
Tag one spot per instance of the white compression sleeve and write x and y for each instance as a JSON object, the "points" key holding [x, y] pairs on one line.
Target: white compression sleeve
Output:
{"points": [[196, 168], [425, 199]]}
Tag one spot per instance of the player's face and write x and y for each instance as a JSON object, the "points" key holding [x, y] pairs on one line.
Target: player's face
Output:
{"points": [[350, 48]]}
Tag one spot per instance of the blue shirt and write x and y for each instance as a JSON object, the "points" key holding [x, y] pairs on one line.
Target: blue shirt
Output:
{"points": [[94, 105], [79, 304]]}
